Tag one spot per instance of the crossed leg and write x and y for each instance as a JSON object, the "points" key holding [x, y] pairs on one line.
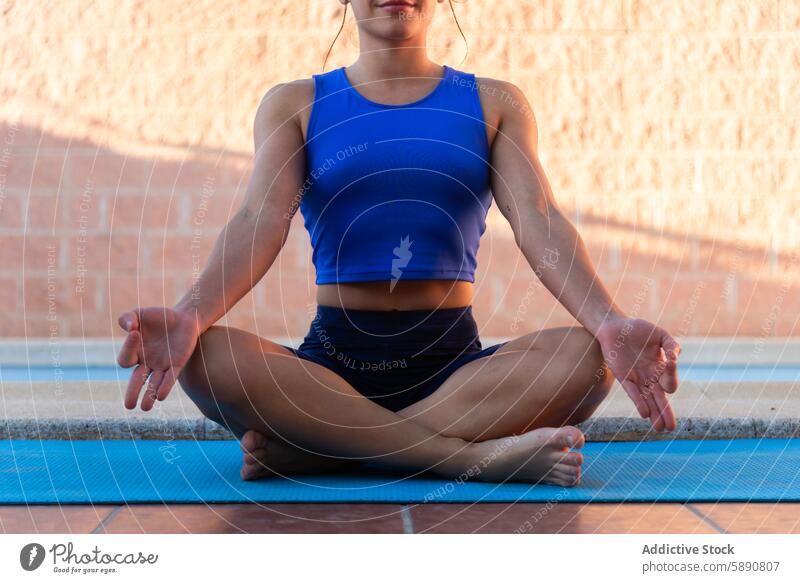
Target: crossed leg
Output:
{"points": [[281, 407]]}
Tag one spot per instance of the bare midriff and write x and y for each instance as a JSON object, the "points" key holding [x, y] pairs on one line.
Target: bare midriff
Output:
{"points": [[406, 295]]}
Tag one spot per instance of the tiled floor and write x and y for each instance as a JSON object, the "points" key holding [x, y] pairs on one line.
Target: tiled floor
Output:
{"points": [[391, 518]]}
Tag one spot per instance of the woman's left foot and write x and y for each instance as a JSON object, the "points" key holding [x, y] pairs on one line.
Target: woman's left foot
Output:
{"points": [[267, 457]]}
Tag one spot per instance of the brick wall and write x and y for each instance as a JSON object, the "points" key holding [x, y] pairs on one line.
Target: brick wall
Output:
{"points": [[668, 129]]}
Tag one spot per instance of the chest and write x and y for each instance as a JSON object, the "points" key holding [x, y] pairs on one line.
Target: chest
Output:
{"points": [[400, 149]]}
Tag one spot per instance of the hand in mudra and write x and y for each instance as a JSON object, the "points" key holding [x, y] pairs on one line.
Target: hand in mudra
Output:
{"points": [[644, 359], [159, 343]]}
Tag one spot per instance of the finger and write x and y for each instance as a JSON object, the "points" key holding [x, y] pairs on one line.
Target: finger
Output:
{"points": [[129, 320], [665, 410], [129, 353], [149, 397], [671, 347], [167, 382], [668, 380], [135, 386], [636, 396], [655, 414]]}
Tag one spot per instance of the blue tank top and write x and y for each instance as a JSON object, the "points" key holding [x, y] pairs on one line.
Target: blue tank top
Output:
{"points": [[395, 191]]}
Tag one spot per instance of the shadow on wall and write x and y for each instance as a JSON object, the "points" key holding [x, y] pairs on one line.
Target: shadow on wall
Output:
{"points": [[88, 231]]}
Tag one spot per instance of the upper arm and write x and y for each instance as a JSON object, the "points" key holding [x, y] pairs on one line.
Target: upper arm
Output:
{"points": [[273, 193], [518, 181]]}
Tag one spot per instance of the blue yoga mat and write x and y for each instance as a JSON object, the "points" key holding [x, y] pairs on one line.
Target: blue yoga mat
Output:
{"points": [[65, 472]]}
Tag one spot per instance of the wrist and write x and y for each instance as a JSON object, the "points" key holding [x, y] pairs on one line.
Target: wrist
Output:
{"points": [[610, 318], [191, 312]]}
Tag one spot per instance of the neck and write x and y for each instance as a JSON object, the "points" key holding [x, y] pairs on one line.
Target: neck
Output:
{"points": [[382, 59]]}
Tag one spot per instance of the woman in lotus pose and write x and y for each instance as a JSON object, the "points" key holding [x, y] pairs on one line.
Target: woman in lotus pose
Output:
{"points": [[393, 162]]}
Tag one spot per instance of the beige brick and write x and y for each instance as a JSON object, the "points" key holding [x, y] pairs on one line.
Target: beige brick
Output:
{"points": [[44, 213], [641, 52], [679, 15], [554, 53], [487, 56], [569, 92], [9, 293], [605, 91], [770, 53], [588, 15], [484, 17], [144, 214], [706, 52], [212, 51], [681, 174], [10, 212], [763, 93], [788, 133], [790, 15], [684, 131], [325, 16], [683, 93], [642, 131], [790, 99], [742, 15], [294, 56], [93, 171], [722, 132], [789, 176], [750, 175], [765, 133], [136, 53], [641, 173], [32, 170], [131, 291], [117, 15]]}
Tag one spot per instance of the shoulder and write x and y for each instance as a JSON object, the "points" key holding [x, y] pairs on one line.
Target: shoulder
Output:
{"points": [[285, 103], [504, 101]]}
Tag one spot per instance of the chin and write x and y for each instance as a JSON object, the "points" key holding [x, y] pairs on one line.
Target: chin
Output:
{"points": [[396, 30]]}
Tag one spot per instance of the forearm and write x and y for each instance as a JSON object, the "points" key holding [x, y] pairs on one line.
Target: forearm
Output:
{"points": [[558, 256], [242, 254]]}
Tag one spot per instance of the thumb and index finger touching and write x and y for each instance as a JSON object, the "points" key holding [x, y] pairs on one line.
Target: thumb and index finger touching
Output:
{"points": [[129, 353]]}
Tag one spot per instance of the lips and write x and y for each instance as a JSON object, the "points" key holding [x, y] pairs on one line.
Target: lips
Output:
{"points": [[397, 5]]}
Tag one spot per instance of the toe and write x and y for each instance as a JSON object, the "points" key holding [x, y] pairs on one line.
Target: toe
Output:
{"points": [[569, 437], [562, 478], [567, 470], [257, 456], [572, 458], [253, 440], [254, 471], [248, 472]]}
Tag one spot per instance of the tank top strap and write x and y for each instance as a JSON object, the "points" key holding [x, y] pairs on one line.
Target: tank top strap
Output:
{"points": [[461, 94], [330, 97], [329, 83]]}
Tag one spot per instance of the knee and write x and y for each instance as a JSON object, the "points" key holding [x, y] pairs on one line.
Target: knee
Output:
{"points": [[198, 376]]}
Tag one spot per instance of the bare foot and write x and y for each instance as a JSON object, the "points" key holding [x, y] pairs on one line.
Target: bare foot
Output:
{"points": [[264, 457], [541, 455]]}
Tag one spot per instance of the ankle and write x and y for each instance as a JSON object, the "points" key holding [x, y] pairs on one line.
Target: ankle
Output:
{"points": [[468, 460]]}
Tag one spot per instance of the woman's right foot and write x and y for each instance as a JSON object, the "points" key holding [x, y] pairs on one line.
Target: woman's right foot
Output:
{"points": [[539, 456], [264, 457]]}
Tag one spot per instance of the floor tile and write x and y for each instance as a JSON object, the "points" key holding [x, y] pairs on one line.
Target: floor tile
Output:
{"points": [[253, 518], [557, 518], [51, 518], [754, 517]]}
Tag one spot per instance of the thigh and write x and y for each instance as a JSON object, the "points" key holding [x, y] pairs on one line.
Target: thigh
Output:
{"points": [[234, 376], [546, 379]]}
